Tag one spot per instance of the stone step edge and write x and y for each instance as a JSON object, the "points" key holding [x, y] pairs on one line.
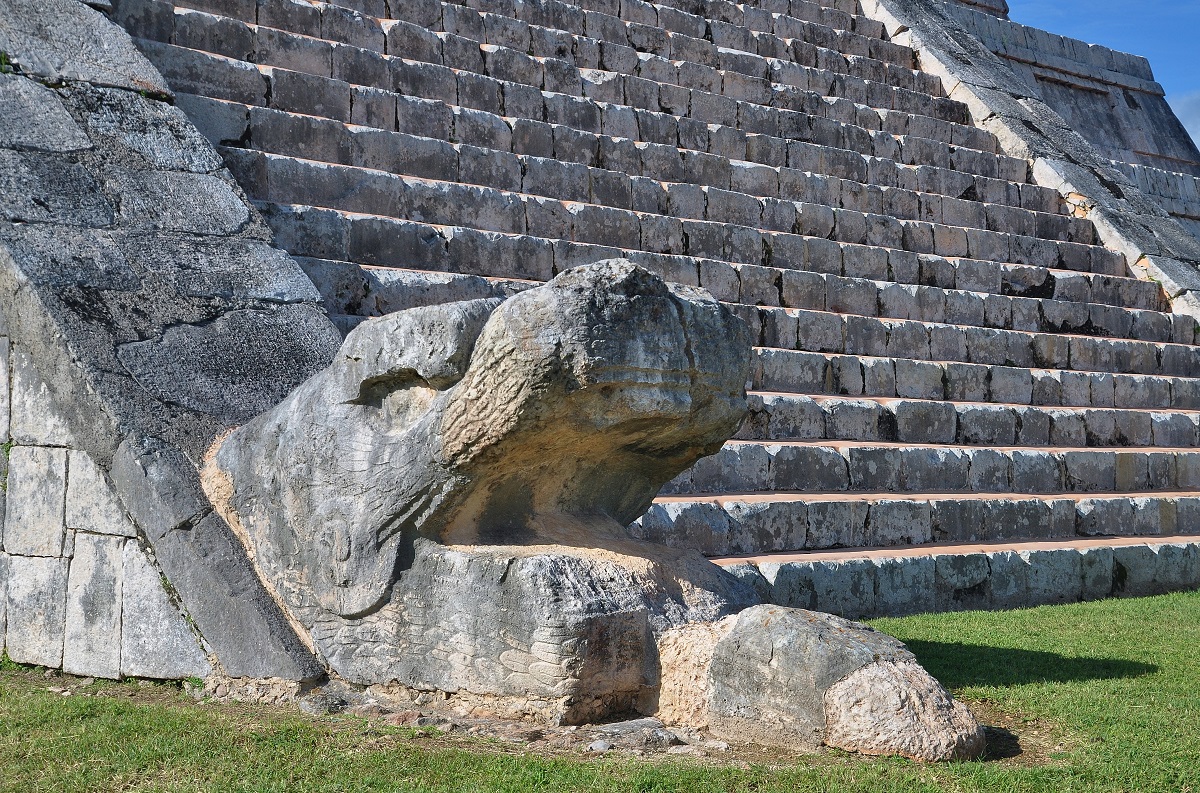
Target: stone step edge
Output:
{"points": [[265, 69], [383, 22], [952, 549], [866, 584], [1054, 271], [267, 206], [351, 128], [887, 401], [269, 200], [782, 497], [830, 356], [839, 444]]}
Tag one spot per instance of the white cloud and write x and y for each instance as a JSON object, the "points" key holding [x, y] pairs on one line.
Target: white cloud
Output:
{"points": [[1187, 107]]}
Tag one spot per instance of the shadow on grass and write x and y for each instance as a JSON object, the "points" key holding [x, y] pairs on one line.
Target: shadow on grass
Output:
{"points": [[1001, 744], [957, 665]]}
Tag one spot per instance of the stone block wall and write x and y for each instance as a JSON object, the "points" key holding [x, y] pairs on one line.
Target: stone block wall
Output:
{"points": [[78, 589]]}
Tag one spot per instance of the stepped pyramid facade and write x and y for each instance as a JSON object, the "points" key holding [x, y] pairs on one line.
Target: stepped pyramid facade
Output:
{"points": [[967, 252]]}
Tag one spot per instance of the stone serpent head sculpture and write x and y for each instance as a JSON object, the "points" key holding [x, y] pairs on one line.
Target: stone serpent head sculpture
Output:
{"points": [[557, 412]]}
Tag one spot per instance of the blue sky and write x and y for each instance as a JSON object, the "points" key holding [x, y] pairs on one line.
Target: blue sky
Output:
{"points": [[1165, 31]]}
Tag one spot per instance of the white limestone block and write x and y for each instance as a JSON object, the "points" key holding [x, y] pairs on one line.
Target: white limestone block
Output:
{"points": [[33, 420], [91, 503], [3, 598], [5, 397], [156, 640], [37, 482], [92, 644], [37, 594]]}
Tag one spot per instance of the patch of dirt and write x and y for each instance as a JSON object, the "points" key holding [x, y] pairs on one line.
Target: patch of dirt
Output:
{"points": [[1015, 740]]}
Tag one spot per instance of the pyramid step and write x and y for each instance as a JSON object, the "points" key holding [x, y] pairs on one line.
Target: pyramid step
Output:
{"points": [[956, 577], [793, 372], [804, 141], [778, 417], [771, 523], [369, 49], [388, 241], [289, 180], [759, 189], [944, 342], [771, 468]]}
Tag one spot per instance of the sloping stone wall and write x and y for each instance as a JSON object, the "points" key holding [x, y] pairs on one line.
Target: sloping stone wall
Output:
{"points": [[147, 313]]}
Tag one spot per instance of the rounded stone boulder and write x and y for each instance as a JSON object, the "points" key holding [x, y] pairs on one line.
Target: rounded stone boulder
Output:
{"points": [[800, 679]]}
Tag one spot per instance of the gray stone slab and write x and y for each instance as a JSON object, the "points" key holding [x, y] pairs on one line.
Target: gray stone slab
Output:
{"points": [[1008, 580], [802, 652], [1055, 576], [156, 131], [5, 391], [229, 269], [224, 597], [749, 574], [66, 40], [50, 188], [836, 523], [91, 503], [905, 585], [92, 639], [1135, 570], [37, 594], [758, 527], [791, 583], [173, 201], [845, 588], [4, 563], [1096, 572], [1178, 567], [156, 640], [57, 257], [239, 365], [35, 502], [961, 580], [33, 118], [898, 522]]}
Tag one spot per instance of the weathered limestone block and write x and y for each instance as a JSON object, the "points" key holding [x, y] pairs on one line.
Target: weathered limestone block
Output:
{"points": [[685, 656], [159, 132], [31, 423], [561, 632], [793, 677], [31, 117], [91, 503], [156, 640], [66, 40], [37, 589], [3, 598], [147, 311], [92, 644], [36, 494]]}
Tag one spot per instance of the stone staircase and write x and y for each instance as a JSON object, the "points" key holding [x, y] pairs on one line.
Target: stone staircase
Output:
{"points": [[944, 353]]}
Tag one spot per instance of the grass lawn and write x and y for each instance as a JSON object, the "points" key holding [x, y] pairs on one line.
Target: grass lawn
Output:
{"points": [[1094, 697]]}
